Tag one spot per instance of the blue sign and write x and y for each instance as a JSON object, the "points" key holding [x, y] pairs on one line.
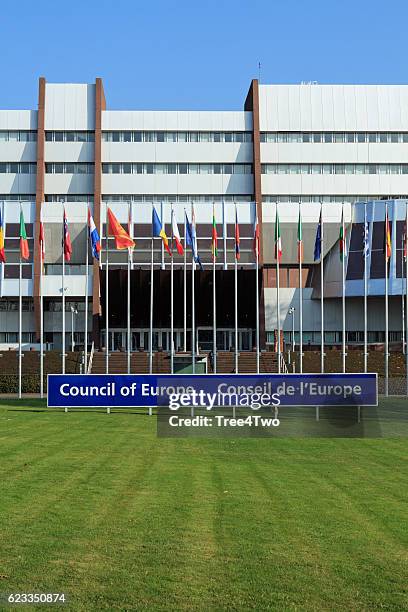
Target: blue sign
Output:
{"points": [[211, 391]]}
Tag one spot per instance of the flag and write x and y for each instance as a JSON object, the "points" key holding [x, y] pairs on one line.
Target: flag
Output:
{"points": [[387, 238], [41, 240], [2, 253], [342, 239], [24, 252], [191, 239], [158, 230], [94, 236], [176, 234], [366, 240], [256, 240], [66, 239], [237, 238], [300, 239], [278, 239], [318, 240], [214, 238], [122, 238]]}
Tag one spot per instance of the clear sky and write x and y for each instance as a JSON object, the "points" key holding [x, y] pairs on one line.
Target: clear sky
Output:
{"points": [[184, 54]]}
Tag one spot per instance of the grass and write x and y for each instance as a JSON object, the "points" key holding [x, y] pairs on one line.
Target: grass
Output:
{"points": [[98, 507]]}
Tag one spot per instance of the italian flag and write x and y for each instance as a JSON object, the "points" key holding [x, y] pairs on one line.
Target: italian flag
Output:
{"points": [[300, 239], [24, 252], [214, 241], [278, 239]]}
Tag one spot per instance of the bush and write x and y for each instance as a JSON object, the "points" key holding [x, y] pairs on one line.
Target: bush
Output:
{"points": [[30, 383]]}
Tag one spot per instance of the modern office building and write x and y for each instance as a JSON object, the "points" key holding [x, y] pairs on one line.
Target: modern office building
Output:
{"points": [[290, 146]]}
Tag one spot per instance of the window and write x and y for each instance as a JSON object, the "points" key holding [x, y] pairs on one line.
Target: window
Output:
{"points": [[335, 169], [17, 168], [70, 168], [160, 136]]}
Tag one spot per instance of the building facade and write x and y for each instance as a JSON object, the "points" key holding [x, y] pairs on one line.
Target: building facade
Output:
{"points": [[291, 147]]}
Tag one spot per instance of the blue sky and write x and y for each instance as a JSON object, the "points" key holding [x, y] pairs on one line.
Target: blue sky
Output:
{"points": [[197, 55]]}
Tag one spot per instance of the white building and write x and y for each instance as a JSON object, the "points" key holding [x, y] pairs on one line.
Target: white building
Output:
{"points": [[307, 144]]}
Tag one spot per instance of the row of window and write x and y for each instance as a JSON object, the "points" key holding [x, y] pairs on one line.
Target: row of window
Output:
{"points": [[180, 168], [129, 136], [70, 136], [187, 198], [18, 168], [18, 136], [338, 199], [334, 168], [335, 137], [69, 168]]}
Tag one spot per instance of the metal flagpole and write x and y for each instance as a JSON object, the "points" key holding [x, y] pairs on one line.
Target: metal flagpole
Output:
{"points": [[129, 338], [185, 284], [386, 300], [41, 316], [300, 297], [321, 290], [107, 293], [20, 333], [257, 291], [63, 296], [86, 298], [343, 279], [236, 295], [214, 306], [172, 298], [365, 247], [193, 330], [402, 295], [278, 311], [224, 234], [406, 293], [151, 311]]}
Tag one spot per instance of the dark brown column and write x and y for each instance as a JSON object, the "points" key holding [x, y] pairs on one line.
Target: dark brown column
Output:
{"points": [[252, 104], [100, 105], [39, 198]]}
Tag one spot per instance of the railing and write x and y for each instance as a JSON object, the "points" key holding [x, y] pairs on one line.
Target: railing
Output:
{"points": [[89, 370]]}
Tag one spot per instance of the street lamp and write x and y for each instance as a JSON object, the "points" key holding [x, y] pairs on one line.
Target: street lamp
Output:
{"points": [[74, 311]]}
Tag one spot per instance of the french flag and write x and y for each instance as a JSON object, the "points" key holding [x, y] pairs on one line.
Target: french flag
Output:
{"points": [[176, 234], [94, 236]]}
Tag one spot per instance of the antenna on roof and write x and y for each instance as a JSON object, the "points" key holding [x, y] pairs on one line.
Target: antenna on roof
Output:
{"points": [[259, 72]]}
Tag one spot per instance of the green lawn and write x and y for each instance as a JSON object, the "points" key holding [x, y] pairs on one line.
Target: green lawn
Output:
{"points": [[98, 507]]}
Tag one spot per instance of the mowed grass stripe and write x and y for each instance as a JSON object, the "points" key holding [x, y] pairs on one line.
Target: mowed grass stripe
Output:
{"points": [[147, 523]]}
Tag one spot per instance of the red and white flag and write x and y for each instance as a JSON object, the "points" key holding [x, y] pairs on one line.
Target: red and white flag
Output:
{"points": [[66, 239], [176, 234]]}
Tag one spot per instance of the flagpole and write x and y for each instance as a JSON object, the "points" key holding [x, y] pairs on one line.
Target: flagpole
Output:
{"points": [[386, 300], [129, 338], [214, 305], [406, 293], [20, 334], [257, 290], [278, 249], [41, 317], [365, 289], [63, 295], [343, 278], [107, 292], [278, 314], [402, 295], [86, 298], [300, 296], [321, 291], [236, 295], [151, 306], [172, 299], [193, 330], [185, 284], [224, 234]]}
